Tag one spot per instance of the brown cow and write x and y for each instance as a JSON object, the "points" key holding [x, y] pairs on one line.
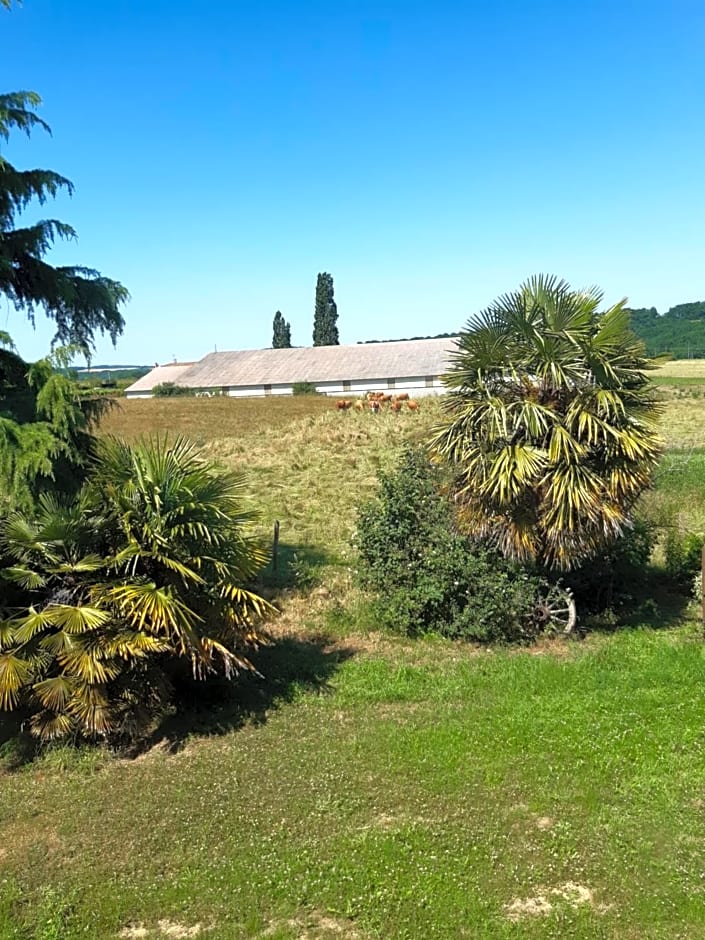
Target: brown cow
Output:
{"points": [[403, 396], [359, 406], [374, 406], [396, 407], [412, 405], [343, 404]]}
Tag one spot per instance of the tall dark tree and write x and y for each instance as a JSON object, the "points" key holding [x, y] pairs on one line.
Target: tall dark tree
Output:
{"points": [[79, 300], [281, 332], [325, 329]]}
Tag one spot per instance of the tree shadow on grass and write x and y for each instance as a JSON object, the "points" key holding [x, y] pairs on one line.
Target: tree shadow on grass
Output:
{"points": [[295, 566], [656, 603], [287, 668]]}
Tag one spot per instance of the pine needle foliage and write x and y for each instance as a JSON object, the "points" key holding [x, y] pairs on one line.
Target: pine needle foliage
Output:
{"points": [[550, 423], [79, 300], [147, 566]]}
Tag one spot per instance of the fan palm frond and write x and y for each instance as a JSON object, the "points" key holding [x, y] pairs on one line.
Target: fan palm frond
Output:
{"points": [[549, 424]]}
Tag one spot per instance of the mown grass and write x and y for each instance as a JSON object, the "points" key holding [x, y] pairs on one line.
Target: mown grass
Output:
{"points": [[371, 787], [397, 800]]}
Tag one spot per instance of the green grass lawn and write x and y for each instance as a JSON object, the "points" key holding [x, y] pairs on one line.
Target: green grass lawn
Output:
{"points": [[432, 792], [373, 787]]}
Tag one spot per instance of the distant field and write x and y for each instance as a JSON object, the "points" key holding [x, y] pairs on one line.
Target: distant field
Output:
{"points": [[208, 418], [309, 465], [680, 372]]}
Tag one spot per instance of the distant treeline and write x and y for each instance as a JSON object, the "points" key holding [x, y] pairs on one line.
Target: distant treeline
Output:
{"points": [[110, 373], [680, 331], [406, 339]]}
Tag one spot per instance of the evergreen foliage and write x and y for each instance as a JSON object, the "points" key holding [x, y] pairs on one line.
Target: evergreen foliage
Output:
{"points": [[550, 424], [79, 300], [147, 566], [45, 427], [325, 329], [281, 332]]}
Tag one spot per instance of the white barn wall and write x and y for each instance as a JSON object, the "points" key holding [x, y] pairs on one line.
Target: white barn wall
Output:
{"points": [[415, 388]]}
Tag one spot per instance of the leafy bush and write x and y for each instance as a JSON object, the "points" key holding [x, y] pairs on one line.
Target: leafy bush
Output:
{"points": [[146, 568], [426, 576], [683, 556], [171, 390], [304, 388]]}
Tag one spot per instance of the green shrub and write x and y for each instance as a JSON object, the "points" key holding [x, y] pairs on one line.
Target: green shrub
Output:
{"points": [[304, 388], [683, 556], [170, 390], [426, 576]]}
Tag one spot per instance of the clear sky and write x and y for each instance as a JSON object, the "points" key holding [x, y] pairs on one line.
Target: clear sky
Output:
{"points": [[429, 155]]}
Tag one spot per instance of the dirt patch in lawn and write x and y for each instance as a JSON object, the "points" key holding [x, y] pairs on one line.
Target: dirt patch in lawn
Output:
{"points": [[542, 903]]}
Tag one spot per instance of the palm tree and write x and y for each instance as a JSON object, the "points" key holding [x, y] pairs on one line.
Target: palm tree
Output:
{"points": [[550, 423], [147, 564]]}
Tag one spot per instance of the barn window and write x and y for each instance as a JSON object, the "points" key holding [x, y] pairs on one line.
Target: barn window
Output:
{"points": [[267, 389], [391, 383], [429, 381], [346, 386]]}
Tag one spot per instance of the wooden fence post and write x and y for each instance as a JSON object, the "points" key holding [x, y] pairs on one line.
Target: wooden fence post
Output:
{"points": [[275, 546]]}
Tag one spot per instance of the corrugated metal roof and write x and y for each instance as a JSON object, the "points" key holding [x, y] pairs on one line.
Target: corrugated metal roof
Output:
{"points": [[404, 359], [169, 372]]}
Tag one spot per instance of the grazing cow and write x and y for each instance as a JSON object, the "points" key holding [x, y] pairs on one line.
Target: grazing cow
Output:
{"points": [[396, 407], [359, 406], [374, 406], [403, 396], [386, 398], [412, 405], [343, 404]]}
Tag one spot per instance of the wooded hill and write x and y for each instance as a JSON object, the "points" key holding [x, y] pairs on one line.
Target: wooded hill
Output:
{"points": [[680, 331]]}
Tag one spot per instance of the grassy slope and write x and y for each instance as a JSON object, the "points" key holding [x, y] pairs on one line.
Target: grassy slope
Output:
{"points": [[379, 788]]}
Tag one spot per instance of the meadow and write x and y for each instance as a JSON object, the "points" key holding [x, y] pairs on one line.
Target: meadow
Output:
{"points": [[370, 786]]}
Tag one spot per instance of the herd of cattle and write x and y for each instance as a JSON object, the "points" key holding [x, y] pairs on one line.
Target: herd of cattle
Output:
{"points": [[375, 401]]}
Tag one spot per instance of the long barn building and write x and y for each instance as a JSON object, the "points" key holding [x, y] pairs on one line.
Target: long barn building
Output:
{"points": [[413, 366]]}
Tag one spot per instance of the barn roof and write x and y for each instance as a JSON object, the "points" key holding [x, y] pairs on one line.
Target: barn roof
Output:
{"points": [[255, 367], [170, 372]]}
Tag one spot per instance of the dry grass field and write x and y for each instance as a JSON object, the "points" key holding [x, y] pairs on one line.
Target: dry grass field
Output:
{"points": [[309, 465], [206, 419], [681, 369]]}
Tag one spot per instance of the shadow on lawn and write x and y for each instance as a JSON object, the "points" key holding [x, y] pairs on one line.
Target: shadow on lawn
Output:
{"points": [[656, 603], [287, 668], [295, 566]]}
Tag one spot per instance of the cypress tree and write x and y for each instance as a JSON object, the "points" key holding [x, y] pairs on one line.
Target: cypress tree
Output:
{"points": [[281, 332], [325, 330]]}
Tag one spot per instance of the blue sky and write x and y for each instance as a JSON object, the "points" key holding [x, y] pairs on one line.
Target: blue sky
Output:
{"points": [[428, 155]]}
